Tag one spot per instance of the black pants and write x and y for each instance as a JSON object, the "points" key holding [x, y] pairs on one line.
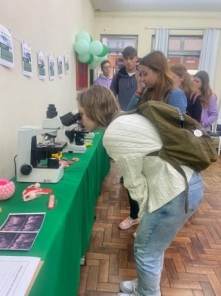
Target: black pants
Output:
{"points": [[134, 207]]}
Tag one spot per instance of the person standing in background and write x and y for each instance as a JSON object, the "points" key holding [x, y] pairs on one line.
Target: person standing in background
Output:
{"points": [[124, 82], [105, 77], [182, 80], [155, 83], [208, 100]]}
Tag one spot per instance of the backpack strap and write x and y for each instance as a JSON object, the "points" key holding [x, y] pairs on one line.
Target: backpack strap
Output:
{"points": [[174, 164], [166, 95]]}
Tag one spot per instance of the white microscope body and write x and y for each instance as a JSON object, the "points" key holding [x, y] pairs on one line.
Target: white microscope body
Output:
{"points": [[29, 165]]}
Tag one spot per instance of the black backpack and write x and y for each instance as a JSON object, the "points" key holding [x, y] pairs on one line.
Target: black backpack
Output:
{"points": [[184, 140]]}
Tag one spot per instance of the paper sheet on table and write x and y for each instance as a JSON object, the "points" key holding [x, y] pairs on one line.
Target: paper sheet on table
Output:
{"points": [[17, 274]]}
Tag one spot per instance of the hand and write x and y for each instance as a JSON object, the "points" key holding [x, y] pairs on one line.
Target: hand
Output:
{"points": [[140, 85]]}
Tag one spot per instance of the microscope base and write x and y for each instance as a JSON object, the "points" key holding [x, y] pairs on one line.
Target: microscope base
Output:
{"points": [[75, 148], [42, 175]]}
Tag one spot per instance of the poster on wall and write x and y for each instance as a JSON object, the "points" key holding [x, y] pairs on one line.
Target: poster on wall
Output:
{"points": [[41, 65], [66, 64], [26, 60], [51, 67], [60, 66], [6, 48]]}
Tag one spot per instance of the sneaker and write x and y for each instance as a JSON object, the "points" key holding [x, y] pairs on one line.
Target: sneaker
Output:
{"points": [[129, 287], [128, 222]]}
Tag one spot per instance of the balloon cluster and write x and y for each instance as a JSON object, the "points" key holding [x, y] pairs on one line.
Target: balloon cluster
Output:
{"points": [[90, 51]]}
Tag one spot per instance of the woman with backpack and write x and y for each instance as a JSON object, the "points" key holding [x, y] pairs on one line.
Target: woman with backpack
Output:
{"points": [[152, 182], [154, 83]]}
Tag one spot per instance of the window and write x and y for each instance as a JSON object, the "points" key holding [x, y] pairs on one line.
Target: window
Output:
{"points": [[117, 43], [184, 50]]}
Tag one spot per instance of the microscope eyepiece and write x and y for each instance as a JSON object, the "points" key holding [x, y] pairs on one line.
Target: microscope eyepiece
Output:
{"points": [[70, 118], [51, 111]]}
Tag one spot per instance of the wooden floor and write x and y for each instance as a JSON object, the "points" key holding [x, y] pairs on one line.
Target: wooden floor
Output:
{"points": [[192, 265]]}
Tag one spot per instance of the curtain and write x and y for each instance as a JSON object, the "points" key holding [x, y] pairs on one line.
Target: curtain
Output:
{"points": [[162, 39], [209, 52]]}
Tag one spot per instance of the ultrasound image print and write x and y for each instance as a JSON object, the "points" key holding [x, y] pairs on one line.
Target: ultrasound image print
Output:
{"points": [[19, 231]]}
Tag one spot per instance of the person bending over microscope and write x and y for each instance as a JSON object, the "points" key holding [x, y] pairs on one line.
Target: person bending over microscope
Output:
{"points": [[157, 187]]}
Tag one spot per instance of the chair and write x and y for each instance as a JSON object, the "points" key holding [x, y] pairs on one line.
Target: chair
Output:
{"points": [[215, 134]]}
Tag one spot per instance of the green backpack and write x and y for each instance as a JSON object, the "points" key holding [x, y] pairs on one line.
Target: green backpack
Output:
{"points": [[184, 140]]}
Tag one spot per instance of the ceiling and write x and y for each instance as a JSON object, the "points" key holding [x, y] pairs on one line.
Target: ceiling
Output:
{"points": [[156, 5]]}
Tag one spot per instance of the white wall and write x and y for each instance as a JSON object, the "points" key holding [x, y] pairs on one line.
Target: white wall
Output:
{"points": [[49, 26], [137, 22]]}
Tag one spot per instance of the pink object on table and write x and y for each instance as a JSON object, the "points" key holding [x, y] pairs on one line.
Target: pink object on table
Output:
{"points": [[7, 189]]}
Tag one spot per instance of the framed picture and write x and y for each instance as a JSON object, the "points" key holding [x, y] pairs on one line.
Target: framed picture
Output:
{"points": [[81, 75]]}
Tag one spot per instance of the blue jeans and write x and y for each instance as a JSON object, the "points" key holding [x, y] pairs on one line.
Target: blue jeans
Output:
{"points": [[157, 230]]}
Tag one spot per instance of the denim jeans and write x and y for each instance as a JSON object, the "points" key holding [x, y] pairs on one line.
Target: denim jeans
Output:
{"points": [[157, 230]]}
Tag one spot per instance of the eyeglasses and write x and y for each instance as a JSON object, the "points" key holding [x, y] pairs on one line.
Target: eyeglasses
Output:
{"points": [[106, 67]]}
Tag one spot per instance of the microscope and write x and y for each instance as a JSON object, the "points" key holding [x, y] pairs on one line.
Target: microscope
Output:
{"points": [[75, 134], [34, 162]]}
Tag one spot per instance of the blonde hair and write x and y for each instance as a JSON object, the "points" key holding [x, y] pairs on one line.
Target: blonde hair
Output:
{"points": [[181, 71], [99, 103]]}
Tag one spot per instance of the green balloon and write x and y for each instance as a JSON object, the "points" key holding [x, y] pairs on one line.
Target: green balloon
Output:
{"points": [[95, 47], [85, 58], [81, 46], [95, 63], [101, 59], [90, 59], [104, 51], [83, 36]]}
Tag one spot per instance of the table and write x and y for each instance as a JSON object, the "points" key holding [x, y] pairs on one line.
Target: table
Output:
{"points": [[65, 234]]}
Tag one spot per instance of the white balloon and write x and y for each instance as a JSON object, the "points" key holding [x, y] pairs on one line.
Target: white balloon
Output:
{"points": [[83, 58], [101, 59], [83, 36], [81, 46], [95, 64], [95, 47]]}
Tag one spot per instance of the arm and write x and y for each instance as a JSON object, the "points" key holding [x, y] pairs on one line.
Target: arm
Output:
{"points": [[136, 98], [131, 166], [212, 112], [178, 99], [133, 102]]}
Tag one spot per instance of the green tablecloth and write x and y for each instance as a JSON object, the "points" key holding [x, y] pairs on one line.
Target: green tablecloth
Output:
{"points": [[65, 234]]}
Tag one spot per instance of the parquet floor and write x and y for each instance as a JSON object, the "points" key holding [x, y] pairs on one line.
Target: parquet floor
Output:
{"points": [[192, 265]]}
